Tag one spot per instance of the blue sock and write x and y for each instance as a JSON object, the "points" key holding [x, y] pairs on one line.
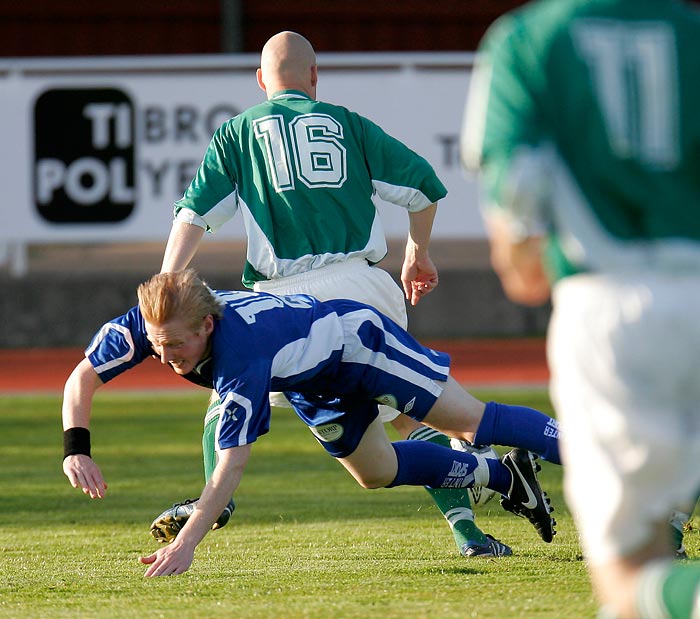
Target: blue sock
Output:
{"points": [[500, 477], [519, 426], [427, 464]]}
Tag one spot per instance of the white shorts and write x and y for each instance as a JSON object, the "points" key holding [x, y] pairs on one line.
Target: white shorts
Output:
{"points": [[352, 279], [624, 354]]}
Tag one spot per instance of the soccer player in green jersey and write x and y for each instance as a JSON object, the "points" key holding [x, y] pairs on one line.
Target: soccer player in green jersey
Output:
{"points": [[583, 118], [304, 174]]}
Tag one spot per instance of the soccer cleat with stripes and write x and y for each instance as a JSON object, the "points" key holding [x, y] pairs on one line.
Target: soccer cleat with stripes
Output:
{"points": [[478, 495], [526, 497], [490, 548], [165, 527]]}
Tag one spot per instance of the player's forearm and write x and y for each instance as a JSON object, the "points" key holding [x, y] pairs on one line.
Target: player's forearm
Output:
{"points": [[216, 494], [182, 245], [420, 229], [77, 396], [519, 266]]}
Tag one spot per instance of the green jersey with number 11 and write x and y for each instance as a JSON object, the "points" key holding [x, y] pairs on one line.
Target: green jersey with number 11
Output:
{"points": [[304, 174], [585, 118]]}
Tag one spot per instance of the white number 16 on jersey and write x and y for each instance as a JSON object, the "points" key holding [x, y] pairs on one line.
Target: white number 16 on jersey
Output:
{"points": [[316, 157]]}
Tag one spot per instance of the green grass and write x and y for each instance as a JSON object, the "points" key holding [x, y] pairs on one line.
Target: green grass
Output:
{"points": [[305, 541]]}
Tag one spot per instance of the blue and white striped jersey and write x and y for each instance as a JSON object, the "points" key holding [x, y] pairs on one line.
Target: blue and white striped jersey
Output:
{"points": [[289, 343]]}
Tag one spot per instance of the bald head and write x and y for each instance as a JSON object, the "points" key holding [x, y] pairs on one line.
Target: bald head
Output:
{"points": [[288, 62]]}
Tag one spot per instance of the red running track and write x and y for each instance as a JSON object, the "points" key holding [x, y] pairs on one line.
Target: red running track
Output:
{"points": [[481, 363]]}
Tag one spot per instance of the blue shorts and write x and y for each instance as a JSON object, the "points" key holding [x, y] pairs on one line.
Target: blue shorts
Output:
{"points": [[381, 364], [338, 423]]}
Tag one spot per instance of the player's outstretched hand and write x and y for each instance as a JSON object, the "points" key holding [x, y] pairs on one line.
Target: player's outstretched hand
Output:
{"points": [[169, 561], [82, 472], [419, 277]]}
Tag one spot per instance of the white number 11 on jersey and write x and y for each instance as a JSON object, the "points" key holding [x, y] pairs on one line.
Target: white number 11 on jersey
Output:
{"points": [[634, 69]]}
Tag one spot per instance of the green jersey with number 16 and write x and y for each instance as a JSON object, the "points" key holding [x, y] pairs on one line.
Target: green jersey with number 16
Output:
{"points": [[304, 174]]}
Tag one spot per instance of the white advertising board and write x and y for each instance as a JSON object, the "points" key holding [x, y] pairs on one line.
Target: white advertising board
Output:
{"points": [[99, 149]]}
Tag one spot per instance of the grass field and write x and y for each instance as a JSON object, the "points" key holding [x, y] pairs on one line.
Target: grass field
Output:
{"points": [[305, 541]]}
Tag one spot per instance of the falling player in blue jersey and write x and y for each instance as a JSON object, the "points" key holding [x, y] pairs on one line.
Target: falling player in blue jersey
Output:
{"points": [[305, 176], [335, 361]]}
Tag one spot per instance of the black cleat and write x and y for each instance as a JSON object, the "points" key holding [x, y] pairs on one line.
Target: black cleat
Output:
{"points": [[166, 526], [490, 548], [526, 497]]}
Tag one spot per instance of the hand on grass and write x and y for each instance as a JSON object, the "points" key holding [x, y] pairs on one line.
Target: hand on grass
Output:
{"points": [[168, 561]]}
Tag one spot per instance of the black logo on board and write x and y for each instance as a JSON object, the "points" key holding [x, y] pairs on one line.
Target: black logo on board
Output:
{"points": [[84, 166]]}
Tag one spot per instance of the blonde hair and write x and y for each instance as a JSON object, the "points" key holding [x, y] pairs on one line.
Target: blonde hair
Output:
{"points": [[183, 295]]}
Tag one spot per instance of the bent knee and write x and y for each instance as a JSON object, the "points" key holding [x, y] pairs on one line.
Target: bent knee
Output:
{"points": [[373, 482], [372, 485]]}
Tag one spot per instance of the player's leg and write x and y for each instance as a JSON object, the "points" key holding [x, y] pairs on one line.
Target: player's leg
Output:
{"points": [[455, 504], [211, 420], [169, 523], [631, 556], [646, 582], [349, 429], [384, 358], [514, 476], [674, 586], [378, 463], [459, 414], [626, 391]]}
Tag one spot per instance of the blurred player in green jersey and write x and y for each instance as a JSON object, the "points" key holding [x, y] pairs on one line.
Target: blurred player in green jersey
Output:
{"points": [[583, 118]]}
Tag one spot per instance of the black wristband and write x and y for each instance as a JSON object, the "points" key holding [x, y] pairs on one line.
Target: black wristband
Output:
{"points": [[76, 441]]}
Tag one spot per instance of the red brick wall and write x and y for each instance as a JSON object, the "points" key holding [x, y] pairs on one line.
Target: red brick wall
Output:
{"points": [[109, 27], [373, 25]]}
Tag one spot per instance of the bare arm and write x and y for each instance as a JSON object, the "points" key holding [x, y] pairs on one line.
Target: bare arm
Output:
{"points": [[418, 274], [178, 556], [81, 470], [182, 245], [518, 264]]}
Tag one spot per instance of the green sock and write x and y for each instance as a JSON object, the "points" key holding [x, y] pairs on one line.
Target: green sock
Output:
{"points": [[452, 502], [209, 439], [669, 589]]}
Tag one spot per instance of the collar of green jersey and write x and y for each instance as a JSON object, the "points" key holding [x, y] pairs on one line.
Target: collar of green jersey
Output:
{"points": [[289, 94]]}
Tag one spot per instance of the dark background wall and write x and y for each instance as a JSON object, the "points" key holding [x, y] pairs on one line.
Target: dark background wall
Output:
{"points": [[42, 311], [70, 291], [85, 27]]}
